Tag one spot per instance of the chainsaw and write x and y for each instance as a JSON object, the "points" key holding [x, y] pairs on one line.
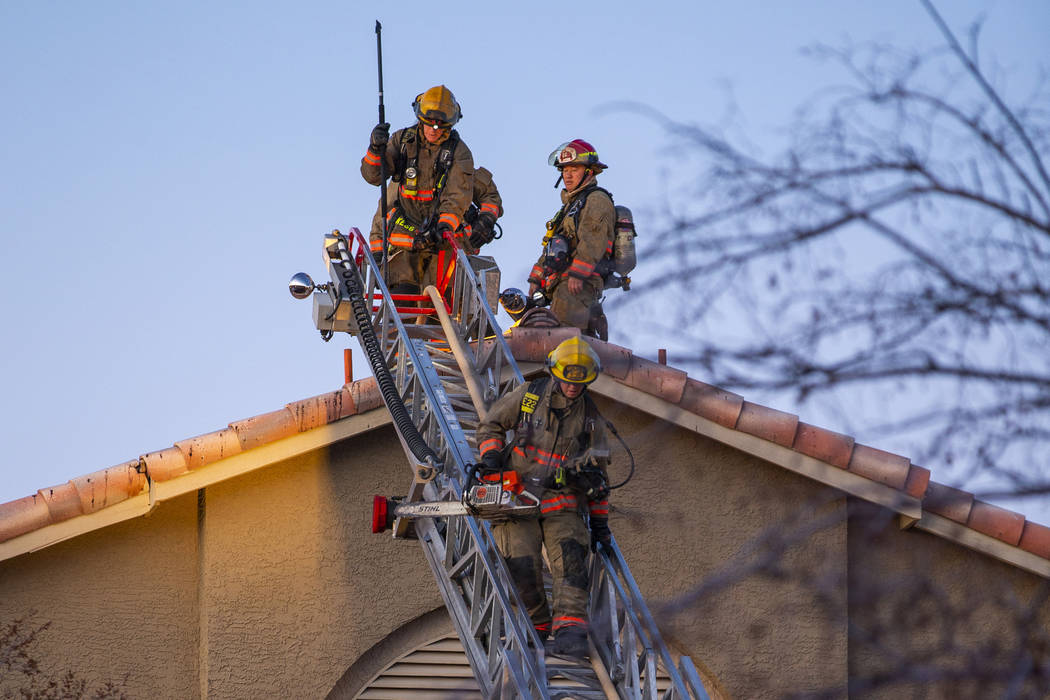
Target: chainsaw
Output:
{"points": [[491, 496]]}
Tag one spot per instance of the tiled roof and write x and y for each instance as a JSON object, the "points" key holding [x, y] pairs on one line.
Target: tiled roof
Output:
{"points": [[93, 492], [842, 451], [108, 487]]}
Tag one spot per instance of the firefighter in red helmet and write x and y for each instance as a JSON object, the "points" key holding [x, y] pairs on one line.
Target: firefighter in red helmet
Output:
{"points": [[434, 173], [578, 238]]}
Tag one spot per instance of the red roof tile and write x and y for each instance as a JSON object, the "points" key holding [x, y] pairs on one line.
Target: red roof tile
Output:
{"points": [[109, 486], [664, 382], [210, 447], [62, 501], [730, 410], [165, 464], [1035, 538], [767, 423], [320, 410], [948, 502], [22, 516], [366, 395], [825, 445], [266, 427], [533, 344], [1000, 523], [718, 405], [917, 482], [877, 465], [616, 360]]}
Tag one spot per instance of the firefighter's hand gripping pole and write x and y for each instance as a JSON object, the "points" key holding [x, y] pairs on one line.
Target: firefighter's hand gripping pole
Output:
{"points": [[382, 154]]}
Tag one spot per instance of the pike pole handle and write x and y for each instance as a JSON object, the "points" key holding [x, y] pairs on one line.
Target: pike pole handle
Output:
{"points": [[382, 154]]}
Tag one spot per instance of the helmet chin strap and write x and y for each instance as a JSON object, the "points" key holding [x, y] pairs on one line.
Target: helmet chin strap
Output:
{"points": [[558, 181]]}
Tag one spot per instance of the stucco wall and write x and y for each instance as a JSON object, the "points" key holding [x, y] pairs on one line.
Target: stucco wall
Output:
{"points": [[297, 585], [121, 601], [928, 614], [699, 519]]}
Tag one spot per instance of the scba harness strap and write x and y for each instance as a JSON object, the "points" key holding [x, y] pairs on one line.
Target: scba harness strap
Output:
{"points": [[555, 229], [525, 429], [406, 173], [574, 209], [406, 165]]}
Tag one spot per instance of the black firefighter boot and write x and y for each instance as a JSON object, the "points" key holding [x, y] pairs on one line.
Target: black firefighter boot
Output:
{"points": [[571, 641]]}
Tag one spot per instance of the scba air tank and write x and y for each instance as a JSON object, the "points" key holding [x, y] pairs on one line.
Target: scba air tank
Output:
{"points": [[624, 257]]}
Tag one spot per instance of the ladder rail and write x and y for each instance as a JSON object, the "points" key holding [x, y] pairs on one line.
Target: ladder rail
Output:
{"points": [[613, 579], [464, 558]]}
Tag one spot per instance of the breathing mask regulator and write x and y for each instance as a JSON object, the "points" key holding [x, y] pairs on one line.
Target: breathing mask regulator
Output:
{"points": [[556, 249]]}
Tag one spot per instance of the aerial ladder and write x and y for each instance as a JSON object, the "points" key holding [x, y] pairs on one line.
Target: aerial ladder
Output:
{"points": [[440, 360]]}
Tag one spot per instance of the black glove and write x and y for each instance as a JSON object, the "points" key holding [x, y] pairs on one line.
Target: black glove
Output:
{"points": [[439, 234], [600, 532], [591, 482], [481, 231], [379, 138], [430, 239], [491, 462]]}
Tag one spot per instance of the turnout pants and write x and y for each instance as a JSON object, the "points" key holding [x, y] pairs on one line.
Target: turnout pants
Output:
{"points": [[567, 539], [401, 270], [582, 310]]}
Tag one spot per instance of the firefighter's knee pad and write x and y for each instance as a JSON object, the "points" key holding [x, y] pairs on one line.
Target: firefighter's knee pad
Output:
{"points": [[574, 564]]}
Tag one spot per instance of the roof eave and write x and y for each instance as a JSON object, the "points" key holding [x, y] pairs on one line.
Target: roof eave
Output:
{"points": [[221, 470]]}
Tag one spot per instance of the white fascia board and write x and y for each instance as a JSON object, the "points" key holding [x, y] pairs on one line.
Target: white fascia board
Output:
{"points": [[978, 541]]}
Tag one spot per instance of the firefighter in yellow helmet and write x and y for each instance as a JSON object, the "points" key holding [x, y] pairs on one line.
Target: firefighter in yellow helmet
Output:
{"points": [[578, 243], [554, 421], [433, 171]]}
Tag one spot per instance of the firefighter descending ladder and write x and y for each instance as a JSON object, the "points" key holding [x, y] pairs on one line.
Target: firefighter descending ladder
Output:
{"points": [[436, 379]]}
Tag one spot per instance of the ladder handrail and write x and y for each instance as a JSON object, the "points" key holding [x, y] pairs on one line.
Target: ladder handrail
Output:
{"points": [[464, 559]]}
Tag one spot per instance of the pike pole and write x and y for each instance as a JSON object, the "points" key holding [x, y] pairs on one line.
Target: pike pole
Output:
{"points": [[382, 155]]}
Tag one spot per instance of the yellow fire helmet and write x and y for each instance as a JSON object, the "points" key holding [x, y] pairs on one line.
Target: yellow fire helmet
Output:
{"points": [[574, 361], [437, 107]]}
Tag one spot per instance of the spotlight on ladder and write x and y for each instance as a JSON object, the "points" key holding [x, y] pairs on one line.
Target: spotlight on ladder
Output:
{"points": [[301, 285]]}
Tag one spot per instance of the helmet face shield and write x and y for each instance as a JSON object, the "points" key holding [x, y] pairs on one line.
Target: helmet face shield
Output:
{"points": [[554, 158], [435, 124], [574, 361], [575, 374]]}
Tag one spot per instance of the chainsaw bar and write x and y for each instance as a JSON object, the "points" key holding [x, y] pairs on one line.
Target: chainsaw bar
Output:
{"points": [[483, 500]]}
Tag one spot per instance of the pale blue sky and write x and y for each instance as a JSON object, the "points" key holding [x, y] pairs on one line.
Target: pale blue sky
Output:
{"points": [[168, 166]]}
